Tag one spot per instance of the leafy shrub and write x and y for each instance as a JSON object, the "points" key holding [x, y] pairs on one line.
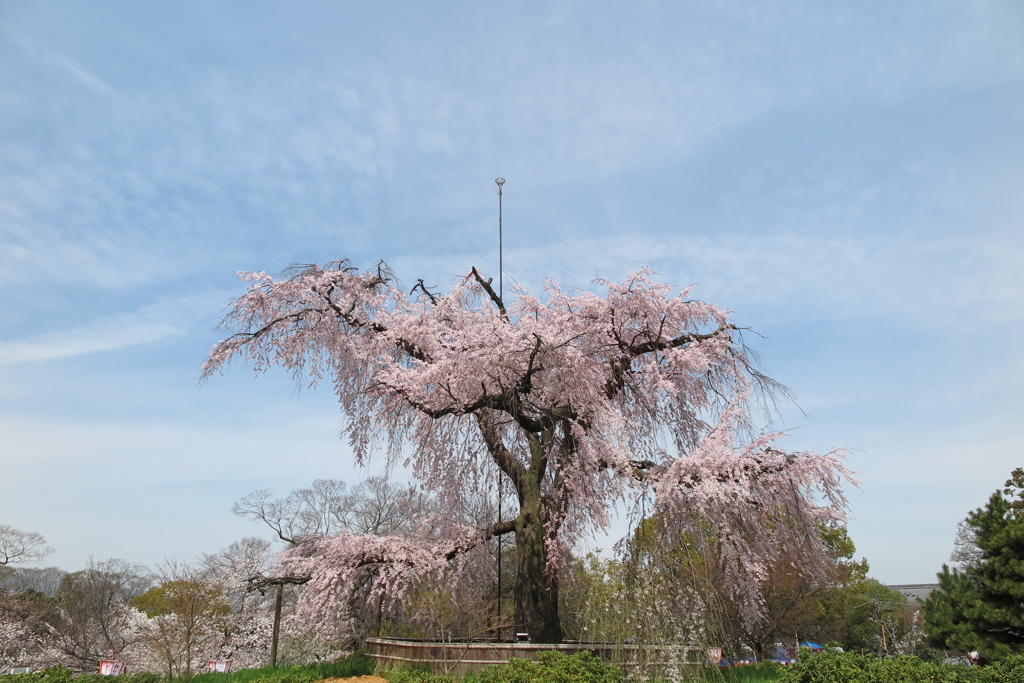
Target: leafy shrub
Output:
{"points": [[142, 677], [416, 676], [1010, 670], [834, 667], [754, 673], [139, 677], [356, 664], [550, 667], [553, 667], [53, 674]]}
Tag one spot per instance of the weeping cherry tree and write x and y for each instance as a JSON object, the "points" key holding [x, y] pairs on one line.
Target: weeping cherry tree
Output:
{"points": [[581, 401]]}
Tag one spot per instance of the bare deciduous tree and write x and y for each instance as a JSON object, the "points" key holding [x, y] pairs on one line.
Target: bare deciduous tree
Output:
{"points": [[374, 506], [21, 546], [95, 620], [317, 510], [44, 580], [966, 552]]}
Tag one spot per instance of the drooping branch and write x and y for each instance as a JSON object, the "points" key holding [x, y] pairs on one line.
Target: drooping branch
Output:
{"points": [[641, 469], [507, 526], [337, 567], [620, 365], [750, 467], [505, 402]]}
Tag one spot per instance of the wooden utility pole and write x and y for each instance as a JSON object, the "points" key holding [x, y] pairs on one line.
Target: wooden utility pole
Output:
{"points": [[261, 583]]}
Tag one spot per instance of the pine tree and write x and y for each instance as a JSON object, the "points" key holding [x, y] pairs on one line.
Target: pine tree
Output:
{"points": [[980, 606]]}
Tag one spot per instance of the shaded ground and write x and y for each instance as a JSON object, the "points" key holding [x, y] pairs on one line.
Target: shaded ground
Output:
{"points": [[356, 679]]}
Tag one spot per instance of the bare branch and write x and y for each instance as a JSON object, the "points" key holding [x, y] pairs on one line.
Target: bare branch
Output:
{"points": [[21, 546], [486, 284], [422, 287]]}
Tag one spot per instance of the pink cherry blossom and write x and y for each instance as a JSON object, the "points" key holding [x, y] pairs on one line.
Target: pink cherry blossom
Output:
{"points": [[581, 401]]}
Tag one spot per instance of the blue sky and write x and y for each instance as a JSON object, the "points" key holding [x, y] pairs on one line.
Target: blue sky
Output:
{"points": [[844, 176]]}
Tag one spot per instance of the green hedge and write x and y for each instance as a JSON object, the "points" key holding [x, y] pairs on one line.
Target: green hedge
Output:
{"points": [[558, 667], [58, 674], [357, 664], [826, 667], [354, 665], [549, 667], [848, 667], [553, 667]]}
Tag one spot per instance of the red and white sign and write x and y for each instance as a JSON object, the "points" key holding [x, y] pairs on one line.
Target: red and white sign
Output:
{"points": [[109, 667], [220, 666]]}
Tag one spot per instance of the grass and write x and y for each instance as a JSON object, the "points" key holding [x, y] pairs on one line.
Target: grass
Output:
{"points": [[571, 669], [357, 664], [562, 669], [756, 673]]}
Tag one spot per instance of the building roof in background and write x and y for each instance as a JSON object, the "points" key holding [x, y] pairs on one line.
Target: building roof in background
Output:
{"points": [[914, 592]]}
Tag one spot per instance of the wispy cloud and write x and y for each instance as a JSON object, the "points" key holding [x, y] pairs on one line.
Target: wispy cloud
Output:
{"points": [[62, 63], [167, 318], [939, 282], [81, 341]]}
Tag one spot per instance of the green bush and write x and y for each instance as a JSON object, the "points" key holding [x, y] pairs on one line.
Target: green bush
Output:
{"points": [[753, 673], [834, 667], [356, 664], [553, 667], [143, 677], [53, 674], [550, 667], [1010, 670], [417, 676], [139, 677]]}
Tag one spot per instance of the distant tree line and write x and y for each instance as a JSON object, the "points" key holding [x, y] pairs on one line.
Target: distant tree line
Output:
{"points": [[662, 585], [174, 619]]}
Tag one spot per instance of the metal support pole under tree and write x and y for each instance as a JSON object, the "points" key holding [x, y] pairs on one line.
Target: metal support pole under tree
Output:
{"points": [[501, 294]]}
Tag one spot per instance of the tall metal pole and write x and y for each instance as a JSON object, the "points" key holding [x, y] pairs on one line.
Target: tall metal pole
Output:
{"points": [[501, 294], [501, 269]]}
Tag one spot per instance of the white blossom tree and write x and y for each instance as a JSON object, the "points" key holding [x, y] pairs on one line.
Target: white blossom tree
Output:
{"points": [[24, 632], [581, 401]]}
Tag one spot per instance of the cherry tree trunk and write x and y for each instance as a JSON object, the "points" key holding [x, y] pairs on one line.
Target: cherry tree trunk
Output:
{"points": [[536, 593]]}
